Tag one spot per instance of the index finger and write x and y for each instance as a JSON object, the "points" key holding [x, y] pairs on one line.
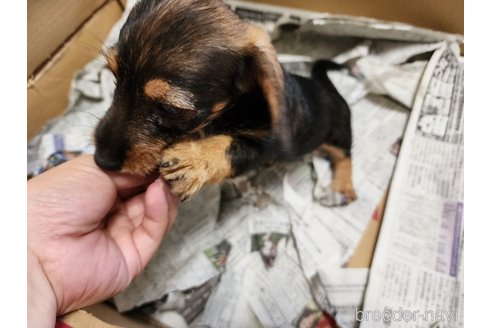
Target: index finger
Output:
{"points": [[126, 184]]}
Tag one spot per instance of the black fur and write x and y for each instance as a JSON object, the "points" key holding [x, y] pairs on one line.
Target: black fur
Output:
{"points": [[185, 42], [318, 113]]}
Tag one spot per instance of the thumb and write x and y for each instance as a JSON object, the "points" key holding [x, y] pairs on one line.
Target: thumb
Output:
{"points": [[160, 208]]}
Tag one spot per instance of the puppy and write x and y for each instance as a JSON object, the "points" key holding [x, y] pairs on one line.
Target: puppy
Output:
{"points": [[201, 96]]}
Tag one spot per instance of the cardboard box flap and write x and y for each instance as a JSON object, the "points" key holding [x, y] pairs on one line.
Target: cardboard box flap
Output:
{"points": [[50, 23], [47, 92]]}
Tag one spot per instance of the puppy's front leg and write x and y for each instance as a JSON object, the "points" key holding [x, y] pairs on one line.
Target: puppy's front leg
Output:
{"points": [[189, 165]]}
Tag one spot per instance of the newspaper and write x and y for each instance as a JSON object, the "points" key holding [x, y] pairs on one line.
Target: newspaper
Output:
{"points": [[228, 305], [341, 291], [267, 249], [416, 278], [277, 295], [325, 232]]}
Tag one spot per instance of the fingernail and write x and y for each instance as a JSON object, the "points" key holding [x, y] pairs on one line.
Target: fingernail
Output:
{"points": [[159, 182], [164, 185]]}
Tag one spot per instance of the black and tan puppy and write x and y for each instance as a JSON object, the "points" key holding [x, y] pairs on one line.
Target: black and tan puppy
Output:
{"points": [[201, 96]]}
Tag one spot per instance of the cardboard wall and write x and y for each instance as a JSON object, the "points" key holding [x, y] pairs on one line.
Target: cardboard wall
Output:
{"points": [[51, 23], [82, 319], [113, 317], [442, 15], [47, 92]]}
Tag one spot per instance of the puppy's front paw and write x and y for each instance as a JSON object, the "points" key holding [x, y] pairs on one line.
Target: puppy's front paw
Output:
{"points": [[190, 165]]}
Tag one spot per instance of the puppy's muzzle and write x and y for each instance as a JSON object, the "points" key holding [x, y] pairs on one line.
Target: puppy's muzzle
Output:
{"points": [[110, 142]]}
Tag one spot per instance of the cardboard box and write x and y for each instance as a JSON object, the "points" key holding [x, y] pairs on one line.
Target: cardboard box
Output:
{"points": [[47, 90], [64, 35], [441, 15], [51, 23]]}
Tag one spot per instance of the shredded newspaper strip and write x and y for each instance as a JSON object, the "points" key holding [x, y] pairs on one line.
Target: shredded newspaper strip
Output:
{"points": [[268, 249], [417, 272]]}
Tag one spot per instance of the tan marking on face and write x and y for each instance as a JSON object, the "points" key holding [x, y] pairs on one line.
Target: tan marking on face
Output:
{"points": [[143, 158], [219, 106], [157, 89], [342, 171], [215, 112], [194, 163], [111, 56], [164, 91]]}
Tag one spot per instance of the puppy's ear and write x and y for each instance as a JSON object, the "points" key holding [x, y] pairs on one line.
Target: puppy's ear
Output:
{"points": [[111, 56], [265, 71]]}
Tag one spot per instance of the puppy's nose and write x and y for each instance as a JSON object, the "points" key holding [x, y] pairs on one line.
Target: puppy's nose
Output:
{"points": [[106, 163]]}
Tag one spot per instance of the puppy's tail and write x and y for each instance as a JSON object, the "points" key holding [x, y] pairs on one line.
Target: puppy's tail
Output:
{"points": [[320, 69]]}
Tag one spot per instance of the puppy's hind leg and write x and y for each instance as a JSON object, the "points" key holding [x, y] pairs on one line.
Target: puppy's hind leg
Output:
{"points": [[338, 141], [342, 170]]}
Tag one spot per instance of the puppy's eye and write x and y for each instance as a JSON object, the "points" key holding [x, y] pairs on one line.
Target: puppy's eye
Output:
{"points": [[166, 109]]}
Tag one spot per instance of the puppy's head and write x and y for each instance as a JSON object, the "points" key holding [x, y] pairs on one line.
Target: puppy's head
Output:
{"points": [[178, 65]]}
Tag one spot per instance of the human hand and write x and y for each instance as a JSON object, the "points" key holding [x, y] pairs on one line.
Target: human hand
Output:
{"points": [[89, 234]]}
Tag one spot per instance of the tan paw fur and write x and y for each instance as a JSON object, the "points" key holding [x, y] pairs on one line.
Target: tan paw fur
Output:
{"points": [[190, 165]]}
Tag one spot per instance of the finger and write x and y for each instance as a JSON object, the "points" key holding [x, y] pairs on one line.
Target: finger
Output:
{"points": [[123, 181], [129, 185], [125, 194], [173, 202], [126, 184], [86, 193], [160, 212]]}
